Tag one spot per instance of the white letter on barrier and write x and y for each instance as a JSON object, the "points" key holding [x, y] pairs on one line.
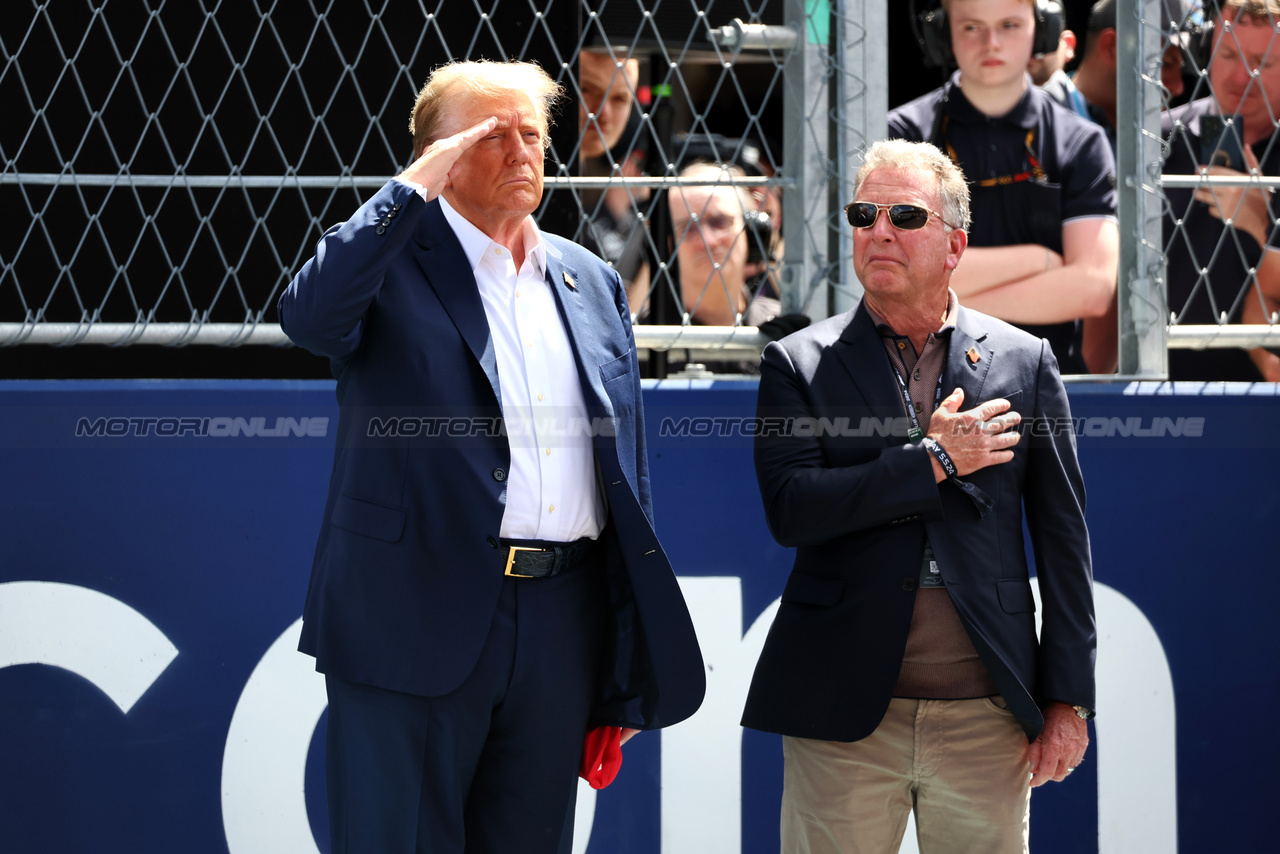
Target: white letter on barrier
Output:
{"points": [[698, 815], [1137, 748], [86, 632], [1137, 773], [264, 804]]}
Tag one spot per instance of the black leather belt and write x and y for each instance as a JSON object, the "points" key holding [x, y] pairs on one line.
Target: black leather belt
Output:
{"points": [[543, 560]]}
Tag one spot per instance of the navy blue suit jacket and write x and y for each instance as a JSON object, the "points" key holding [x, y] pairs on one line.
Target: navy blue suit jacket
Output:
{"points": [[408, 567], [857, 507]]}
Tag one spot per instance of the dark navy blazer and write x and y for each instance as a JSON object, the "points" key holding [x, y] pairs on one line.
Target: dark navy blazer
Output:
{"points": [[857, 508], [408, 567]]}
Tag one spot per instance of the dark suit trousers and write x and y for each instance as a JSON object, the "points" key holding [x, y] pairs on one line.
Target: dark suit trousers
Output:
{"points": [[491, 767]]}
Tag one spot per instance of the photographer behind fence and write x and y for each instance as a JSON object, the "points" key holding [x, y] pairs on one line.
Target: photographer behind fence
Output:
{"points": [[1214, 236], [1044, 246], [713, 245], [613, 143]]}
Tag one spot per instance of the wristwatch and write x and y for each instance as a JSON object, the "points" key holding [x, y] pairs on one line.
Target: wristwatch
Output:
{"points": [[1082, 713]]}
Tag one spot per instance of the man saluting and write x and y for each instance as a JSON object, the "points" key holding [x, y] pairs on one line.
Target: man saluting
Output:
{"points": [[487, 584]]}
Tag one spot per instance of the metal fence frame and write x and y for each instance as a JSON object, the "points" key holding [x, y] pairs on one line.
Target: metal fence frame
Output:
{"points": [[831, 114]]}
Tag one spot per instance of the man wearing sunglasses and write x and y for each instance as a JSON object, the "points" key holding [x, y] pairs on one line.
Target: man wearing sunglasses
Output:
{"points": [[1044, 241], [898, 444]]}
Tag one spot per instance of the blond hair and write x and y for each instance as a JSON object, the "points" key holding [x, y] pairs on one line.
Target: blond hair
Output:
{"points": [[702, 170], [1263, 11], [458, 81], [953, 192], [946, 5]]}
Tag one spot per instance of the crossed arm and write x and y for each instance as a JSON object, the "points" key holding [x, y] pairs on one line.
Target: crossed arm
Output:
{"points": [[1028, 283]]}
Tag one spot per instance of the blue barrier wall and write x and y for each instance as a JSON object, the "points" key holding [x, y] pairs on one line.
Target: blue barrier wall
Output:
{"points": [[155, 541]]}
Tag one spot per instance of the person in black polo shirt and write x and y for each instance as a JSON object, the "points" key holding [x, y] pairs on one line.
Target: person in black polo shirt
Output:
{"points": [[1209, 260], [1044, 244]]}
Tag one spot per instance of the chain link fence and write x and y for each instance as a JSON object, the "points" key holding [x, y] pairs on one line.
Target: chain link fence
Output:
{"points": [[1209, 270], [168, 166]]}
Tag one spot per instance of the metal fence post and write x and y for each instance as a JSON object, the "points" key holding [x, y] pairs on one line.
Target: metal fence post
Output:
{"points": [[1143, 307], [861, 119], [805, 200]]}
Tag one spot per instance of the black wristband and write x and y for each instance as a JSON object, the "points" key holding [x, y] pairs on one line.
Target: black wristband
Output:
{"points": [[944, 459], [981, 501]]}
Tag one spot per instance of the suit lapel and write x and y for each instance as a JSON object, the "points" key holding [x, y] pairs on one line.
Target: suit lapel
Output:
{"points": [[448, 272], [859, 346], [968, 359], [580, 326]]}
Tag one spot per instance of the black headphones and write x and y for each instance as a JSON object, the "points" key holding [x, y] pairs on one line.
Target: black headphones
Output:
{"points": [[1198, 47], [934, 35]]}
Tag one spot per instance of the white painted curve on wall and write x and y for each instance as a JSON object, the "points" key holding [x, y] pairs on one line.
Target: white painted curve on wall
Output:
{"points": [[1137, 733], [264, 804], [584, 815], [264, 808], [85, 632], [1136, 748], [702, 756]]}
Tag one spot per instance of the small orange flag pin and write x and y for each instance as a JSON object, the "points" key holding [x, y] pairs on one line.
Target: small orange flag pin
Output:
{"points": [[972, 353]]}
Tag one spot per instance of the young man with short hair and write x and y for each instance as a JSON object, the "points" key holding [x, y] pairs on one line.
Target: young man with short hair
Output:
{"points": [[1044, 246]]}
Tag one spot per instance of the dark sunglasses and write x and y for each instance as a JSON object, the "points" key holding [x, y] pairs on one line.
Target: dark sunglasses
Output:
{"points": [[904, 216]]}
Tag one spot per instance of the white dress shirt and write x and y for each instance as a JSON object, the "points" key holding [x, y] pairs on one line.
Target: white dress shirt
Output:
{"points": [[552, 490]]}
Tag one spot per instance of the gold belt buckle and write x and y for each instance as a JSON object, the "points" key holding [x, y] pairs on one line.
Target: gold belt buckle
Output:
{"points": [[511, 559]]}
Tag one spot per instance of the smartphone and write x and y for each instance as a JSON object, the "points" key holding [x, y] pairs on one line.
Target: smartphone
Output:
{"points": [[1221, 142]]}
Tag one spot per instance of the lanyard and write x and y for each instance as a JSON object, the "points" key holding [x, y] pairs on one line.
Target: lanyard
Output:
{"points": [[916, 433], [981, 501]]}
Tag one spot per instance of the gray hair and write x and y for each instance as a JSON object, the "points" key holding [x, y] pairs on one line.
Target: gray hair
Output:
{"points": [[923, 157]]}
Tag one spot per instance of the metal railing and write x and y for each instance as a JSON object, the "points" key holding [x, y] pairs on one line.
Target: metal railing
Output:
{"points": [[166, 169]]}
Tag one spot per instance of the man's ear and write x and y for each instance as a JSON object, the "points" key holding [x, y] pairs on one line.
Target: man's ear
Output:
{"points": [[1107, 46], [1069, 39], [957, 241]]}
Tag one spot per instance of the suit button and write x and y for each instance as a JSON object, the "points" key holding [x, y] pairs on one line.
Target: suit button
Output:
{"points": [[381, 229], [908, 584], [493, 544], [499, 475]]}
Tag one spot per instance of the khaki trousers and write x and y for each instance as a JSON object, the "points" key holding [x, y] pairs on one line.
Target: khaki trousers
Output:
{"points": [[958, 763]]}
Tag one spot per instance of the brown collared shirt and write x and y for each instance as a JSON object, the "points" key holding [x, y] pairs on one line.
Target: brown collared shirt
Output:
{"points": [[940, 661]]}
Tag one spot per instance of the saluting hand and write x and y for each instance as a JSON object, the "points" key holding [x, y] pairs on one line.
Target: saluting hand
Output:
{"points": [[975, 438], [432, 169]]}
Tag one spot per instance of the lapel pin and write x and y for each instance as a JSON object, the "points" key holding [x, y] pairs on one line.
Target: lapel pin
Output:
{"points": [[568, 280], [972, 353]]}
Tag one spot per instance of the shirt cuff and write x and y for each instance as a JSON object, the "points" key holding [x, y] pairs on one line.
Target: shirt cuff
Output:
{"points": [[417, 188]]}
